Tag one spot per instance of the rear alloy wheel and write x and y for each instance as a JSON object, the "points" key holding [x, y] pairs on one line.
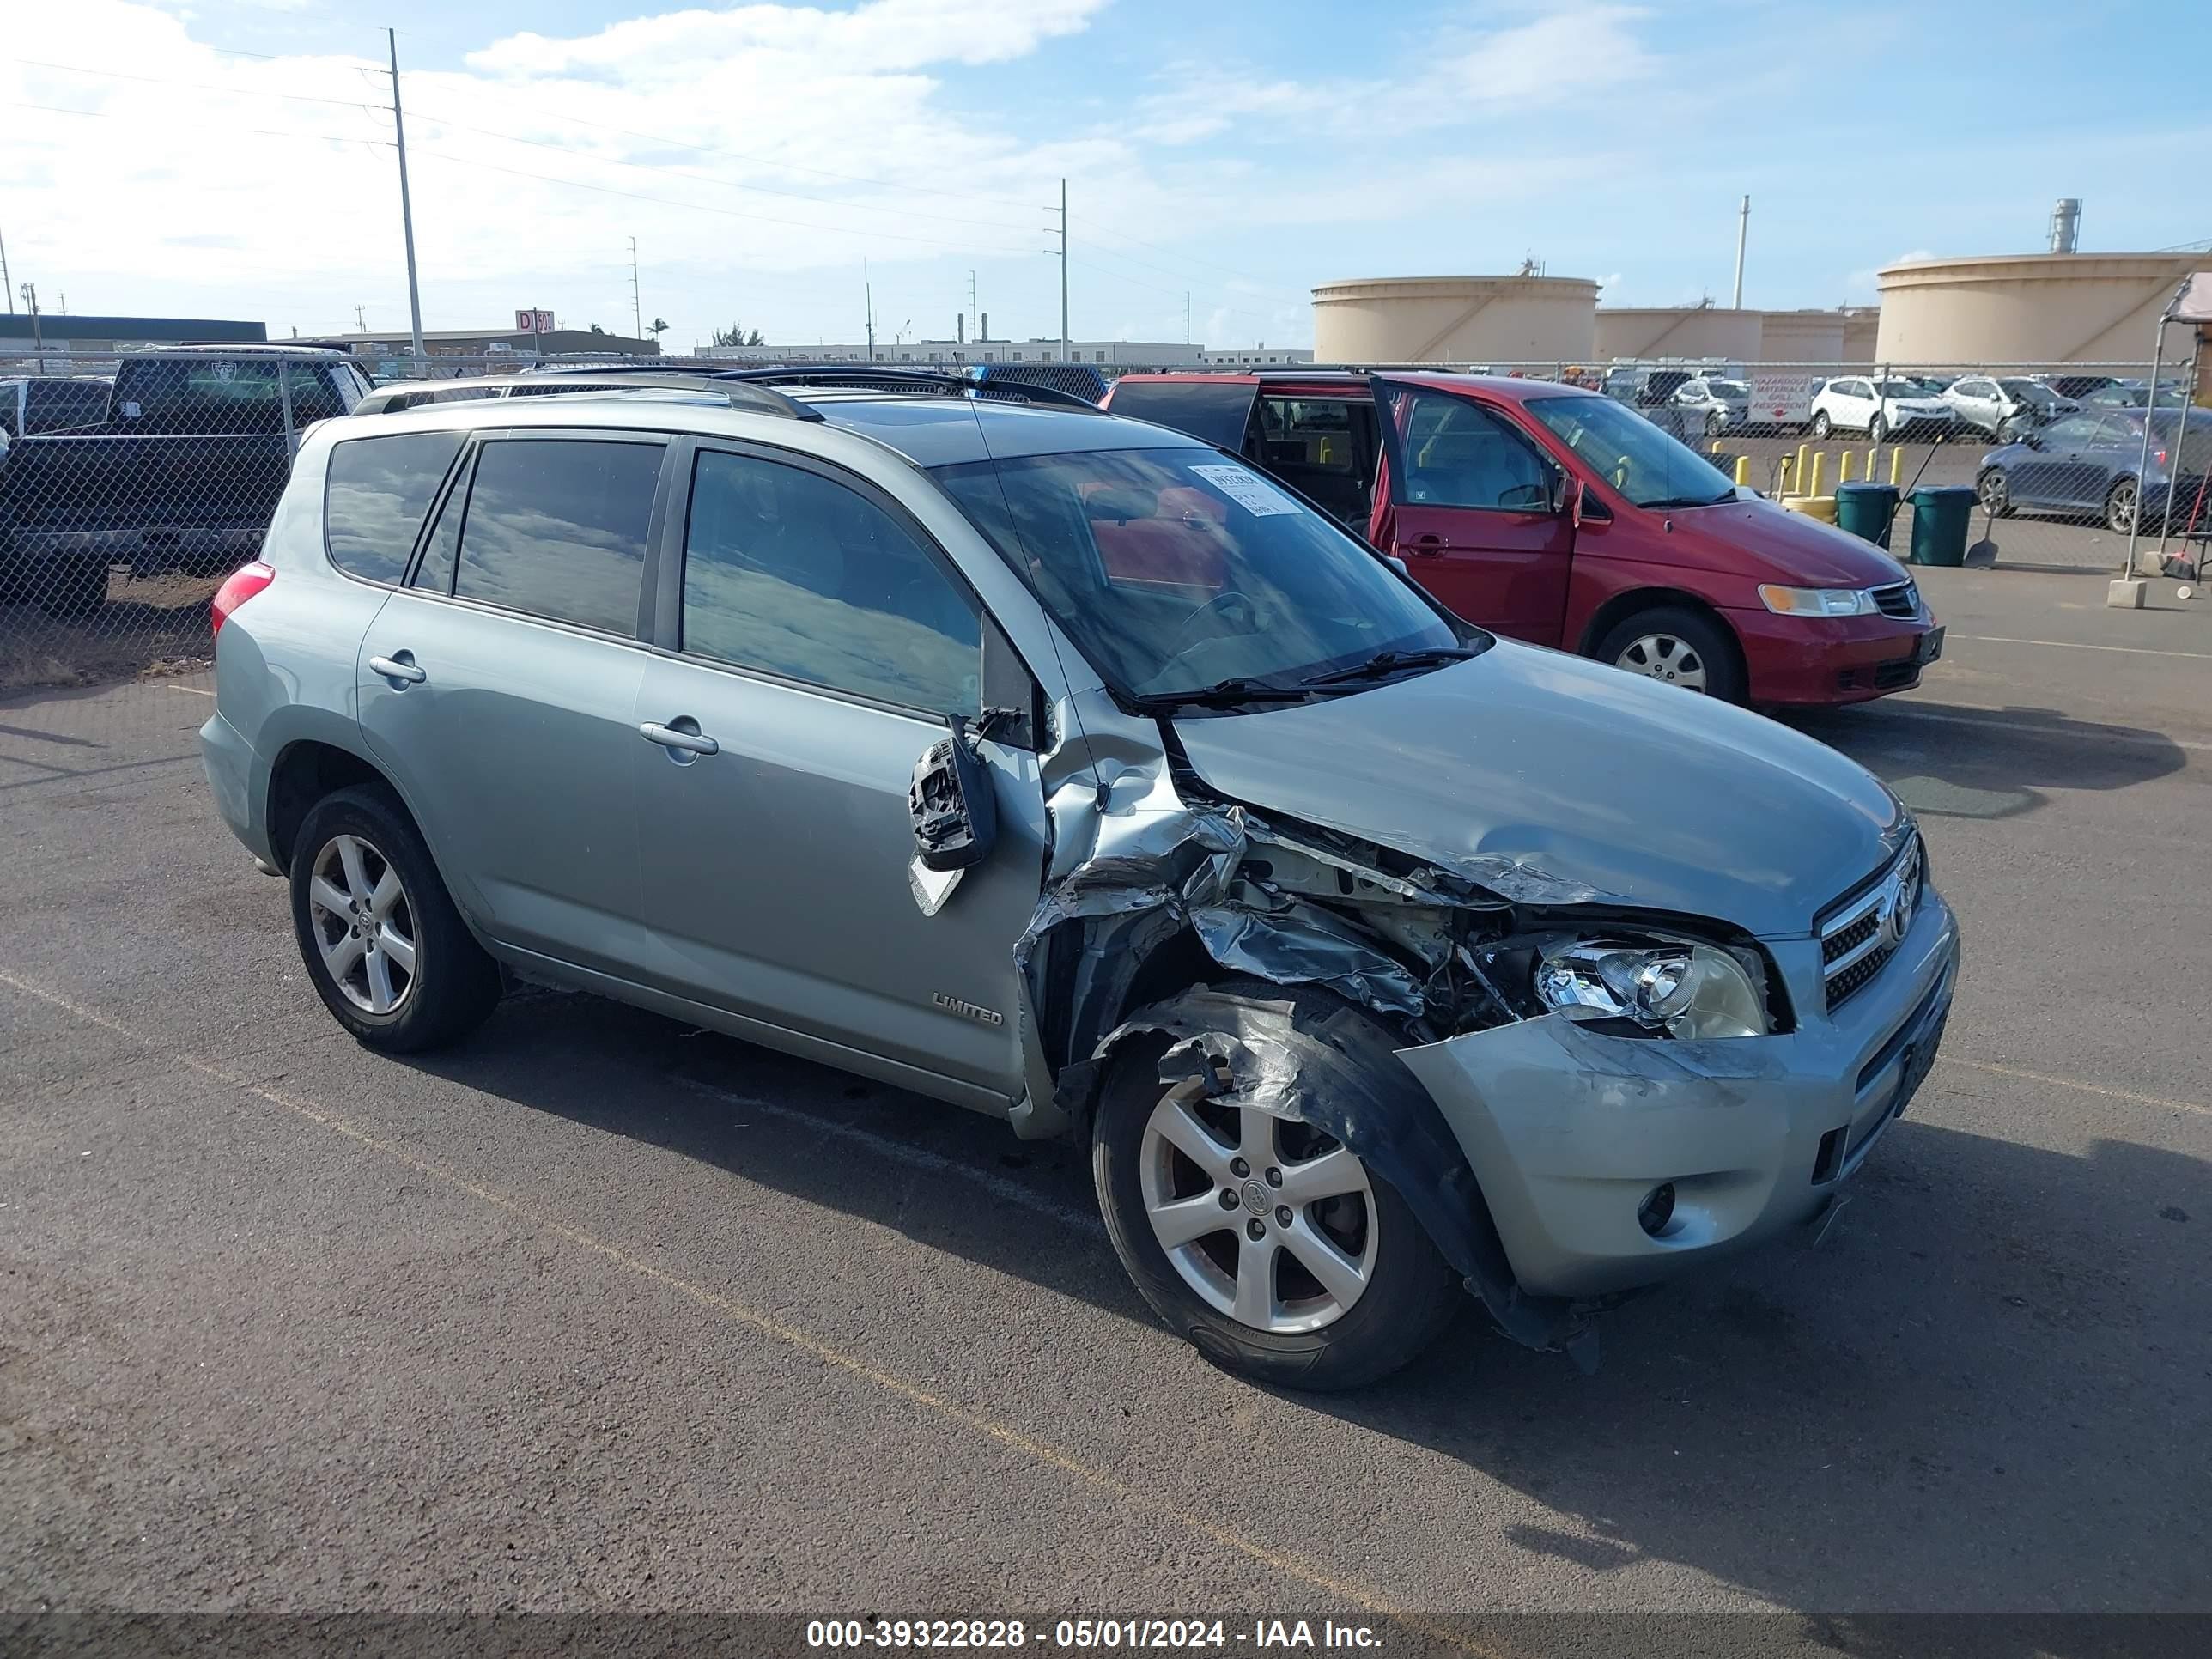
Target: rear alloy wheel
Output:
{"points": [[1995, 493], [386, 951], [2120, 508], [1260, 1237]]}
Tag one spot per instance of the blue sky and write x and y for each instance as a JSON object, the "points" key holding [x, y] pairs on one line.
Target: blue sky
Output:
{"points": [[227, 160]]}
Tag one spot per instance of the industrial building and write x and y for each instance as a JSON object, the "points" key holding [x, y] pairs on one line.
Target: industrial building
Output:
{"points": [[486, 343], [59, 333], [1411, 320]]}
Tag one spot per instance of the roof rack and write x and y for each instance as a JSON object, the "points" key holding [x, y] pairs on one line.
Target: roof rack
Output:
{"points": [[746, 399], [893, 378]]}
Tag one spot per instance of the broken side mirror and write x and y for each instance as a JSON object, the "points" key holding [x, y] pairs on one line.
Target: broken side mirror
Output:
{"points": [[951, 801]]}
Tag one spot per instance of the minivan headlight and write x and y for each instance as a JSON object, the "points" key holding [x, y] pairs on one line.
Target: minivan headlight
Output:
{"points": [[1688, 991], [1818, 601]]}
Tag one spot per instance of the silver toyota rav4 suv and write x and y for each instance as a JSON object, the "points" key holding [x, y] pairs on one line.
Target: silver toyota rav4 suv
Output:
{"points": [[1061, 767]]}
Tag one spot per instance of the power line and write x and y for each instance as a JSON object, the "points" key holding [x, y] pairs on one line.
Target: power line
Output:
{"points": [[257, 132], [203, 86]]}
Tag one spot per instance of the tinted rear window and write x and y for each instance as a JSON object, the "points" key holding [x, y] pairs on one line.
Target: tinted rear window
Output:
{"points": [[378, 493], [556, 528]]}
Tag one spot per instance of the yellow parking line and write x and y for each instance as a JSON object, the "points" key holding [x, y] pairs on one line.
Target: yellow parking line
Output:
{"points": [[767, 1325], [2076, 1083]]}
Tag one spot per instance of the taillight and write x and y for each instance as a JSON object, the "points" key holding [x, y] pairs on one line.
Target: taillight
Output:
{"points": [[241, 585], [2160, 455]]}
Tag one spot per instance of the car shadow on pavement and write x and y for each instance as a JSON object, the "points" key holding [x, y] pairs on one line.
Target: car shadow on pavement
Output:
{"points": [[1950, 760], [1987, 1359]]}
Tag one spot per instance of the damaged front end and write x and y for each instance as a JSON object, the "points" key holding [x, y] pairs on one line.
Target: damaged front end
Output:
{"points": [[1152, 885]]}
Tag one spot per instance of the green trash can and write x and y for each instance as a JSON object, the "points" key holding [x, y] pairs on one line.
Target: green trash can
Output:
{"points": [[1866, 510], [1941, 516]]}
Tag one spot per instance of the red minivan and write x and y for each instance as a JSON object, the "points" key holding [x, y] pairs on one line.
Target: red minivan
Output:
{"points": [[1562, 517]]}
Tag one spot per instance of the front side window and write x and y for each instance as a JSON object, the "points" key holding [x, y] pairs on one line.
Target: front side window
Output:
{"points": [[556, 528], [1173, 569], [58, 405], [1456, 454], [1646, 465], [2075, 433], [795, 575], [375, 495]]}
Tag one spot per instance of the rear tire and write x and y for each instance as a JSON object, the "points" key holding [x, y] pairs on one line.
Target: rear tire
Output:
{"points": [[71, 592], [385, 948], [1680, 646], [2120, 506], [1404, 1294]]}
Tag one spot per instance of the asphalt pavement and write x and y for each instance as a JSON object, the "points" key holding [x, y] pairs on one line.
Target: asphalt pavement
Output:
{"points": [[601, 1313]]}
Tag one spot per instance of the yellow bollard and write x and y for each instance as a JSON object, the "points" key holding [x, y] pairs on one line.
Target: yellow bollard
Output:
{"points": [[1716, 449], [1820, 456], [1896, 461], [1843, 467], [1803, 462], [1743, 471]]}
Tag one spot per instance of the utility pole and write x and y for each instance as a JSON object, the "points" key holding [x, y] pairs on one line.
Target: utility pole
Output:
{"points": [[868, 293], [1742, 232], [636, 312], [406, 207], [1063, 271], [30, 293], [974, 313], [360, 320]]}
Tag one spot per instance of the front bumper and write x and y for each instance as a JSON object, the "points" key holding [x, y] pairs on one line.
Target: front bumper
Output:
{"points": [[1828, 659], [1567, 1131]]}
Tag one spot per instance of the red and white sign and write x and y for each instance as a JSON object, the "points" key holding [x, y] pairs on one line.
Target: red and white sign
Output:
{"points": [[533, 322]]}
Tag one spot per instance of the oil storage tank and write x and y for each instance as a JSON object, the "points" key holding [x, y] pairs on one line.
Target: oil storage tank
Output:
{"points": [[2027, 307], [1696, 332], [1455, 319], [1801, 337]]}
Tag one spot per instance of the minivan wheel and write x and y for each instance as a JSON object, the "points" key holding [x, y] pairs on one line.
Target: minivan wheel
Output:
{"points": [[1676, 645], [386, 951], [1272, 1248]]}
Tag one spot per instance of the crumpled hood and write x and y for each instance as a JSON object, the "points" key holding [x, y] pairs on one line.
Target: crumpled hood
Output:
{"points": [[1552, 779], [1800, 551]]}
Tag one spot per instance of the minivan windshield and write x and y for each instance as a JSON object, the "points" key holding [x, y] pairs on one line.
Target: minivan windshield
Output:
{"points": [[1632, 454], [1181, 571]]}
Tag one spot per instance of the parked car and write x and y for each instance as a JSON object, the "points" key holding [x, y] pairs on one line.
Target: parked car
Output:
{"points": [[1722, 406], [1645, 387], [1081, 379], [2134, 394], [2077, 386], [34, 404], [182, 474], [2093, 465], [1557, 516], [1374, 957], [1883, 408], [2007, 404]]}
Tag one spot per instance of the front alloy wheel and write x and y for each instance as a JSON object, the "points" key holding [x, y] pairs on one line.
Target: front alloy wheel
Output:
{"points": [[1666, 657], [2120, 508], [1266, 1219], [364, 924]]}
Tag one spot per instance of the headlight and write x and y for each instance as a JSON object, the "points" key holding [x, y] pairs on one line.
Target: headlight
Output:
{"points": [[1819, 601], [1686, 990]]}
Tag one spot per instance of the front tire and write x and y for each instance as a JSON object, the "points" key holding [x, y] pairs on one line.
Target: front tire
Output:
{"points": [[1269, 1246], [1995, 493], [1680, 646], [385, 950], [1821, 426], [1877, 429]]}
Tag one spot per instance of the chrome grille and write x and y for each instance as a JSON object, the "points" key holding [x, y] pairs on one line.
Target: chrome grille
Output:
{"points": [[1897, 599], [1865, 930]]}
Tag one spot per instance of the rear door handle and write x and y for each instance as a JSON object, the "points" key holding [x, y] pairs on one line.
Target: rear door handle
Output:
{"points": [[668, 736], [401, 667]]}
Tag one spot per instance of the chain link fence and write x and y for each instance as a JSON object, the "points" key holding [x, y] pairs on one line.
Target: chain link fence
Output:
{"points": [[130, 486]]}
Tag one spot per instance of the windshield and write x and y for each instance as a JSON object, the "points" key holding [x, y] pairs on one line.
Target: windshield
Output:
{"points": [[1178, 570], [1735, 390], [1639, 460], [2031, 391]]}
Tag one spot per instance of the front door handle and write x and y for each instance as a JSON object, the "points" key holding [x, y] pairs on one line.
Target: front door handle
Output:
{"points": [[402, 667], [694, 742], [1429, 543]]}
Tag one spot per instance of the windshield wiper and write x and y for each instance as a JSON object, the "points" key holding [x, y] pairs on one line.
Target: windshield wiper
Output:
{"points": [[1224, 694], [1388, 662], [1686, 501]]}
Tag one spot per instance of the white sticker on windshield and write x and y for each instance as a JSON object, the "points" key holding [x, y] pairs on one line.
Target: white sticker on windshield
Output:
{"points": [[1248, 489]]}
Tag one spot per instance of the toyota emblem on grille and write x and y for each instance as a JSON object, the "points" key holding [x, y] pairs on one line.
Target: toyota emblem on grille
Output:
{"points": [[1898, 895]]}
